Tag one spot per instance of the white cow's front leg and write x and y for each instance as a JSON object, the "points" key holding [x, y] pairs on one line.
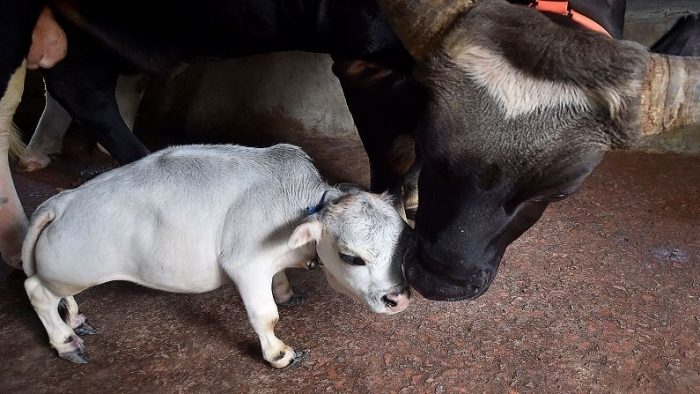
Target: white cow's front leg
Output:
{"points": [[68, 345], [13, 221], [262, 312]]}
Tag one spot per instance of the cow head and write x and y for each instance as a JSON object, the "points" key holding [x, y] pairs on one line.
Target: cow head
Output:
{"points": [[520, 112], [359, 240]]}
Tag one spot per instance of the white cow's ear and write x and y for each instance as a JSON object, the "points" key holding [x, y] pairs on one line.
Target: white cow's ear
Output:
{"points": [[305, 233]]}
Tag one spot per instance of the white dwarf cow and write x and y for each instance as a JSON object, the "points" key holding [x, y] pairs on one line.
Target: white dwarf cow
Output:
{"points": [[185, 218]]}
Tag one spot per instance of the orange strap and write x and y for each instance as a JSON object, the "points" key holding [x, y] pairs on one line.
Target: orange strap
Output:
{"points": [[562, 8]]}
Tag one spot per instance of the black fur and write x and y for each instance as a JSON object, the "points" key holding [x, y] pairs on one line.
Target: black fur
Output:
{"points": [[682, 40], [17, 19]]}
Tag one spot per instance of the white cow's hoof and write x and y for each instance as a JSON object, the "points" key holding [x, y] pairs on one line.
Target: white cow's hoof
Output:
{"points": [[299, 357], [288, 358], [78, 355], [85, 329]]}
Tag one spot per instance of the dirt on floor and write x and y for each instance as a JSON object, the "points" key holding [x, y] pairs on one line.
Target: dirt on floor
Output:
{"points": [[602, 295]]}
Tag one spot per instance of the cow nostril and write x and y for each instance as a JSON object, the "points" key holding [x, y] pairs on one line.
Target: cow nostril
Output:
{"points": [[389, 303]]}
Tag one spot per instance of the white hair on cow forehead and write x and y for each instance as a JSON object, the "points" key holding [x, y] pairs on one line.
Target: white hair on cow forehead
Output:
{"points": [[519, 93], [364, 224], [516, 92]]}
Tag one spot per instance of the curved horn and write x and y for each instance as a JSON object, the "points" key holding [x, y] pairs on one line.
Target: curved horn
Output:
{"points": [[670, 94], [420, 24]]}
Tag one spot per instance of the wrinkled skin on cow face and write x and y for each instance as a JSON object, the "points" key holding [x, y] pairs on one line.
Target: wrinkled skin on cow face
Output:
{"points": [[520, 112]]}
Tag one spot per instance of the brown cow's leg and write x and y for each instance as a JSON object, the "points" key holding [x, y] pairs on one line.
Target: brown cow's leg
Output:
{"points": [[13, 222], [384, 104]]}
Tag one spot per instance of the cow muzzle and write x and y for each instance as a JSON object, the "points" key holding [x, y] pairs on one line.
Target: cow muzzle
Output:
{"points": [[439, 286]]}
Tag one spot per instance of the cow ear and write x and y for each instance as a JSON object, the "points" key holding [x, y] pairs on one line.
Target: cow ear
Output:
{"points": [[304, 233]]}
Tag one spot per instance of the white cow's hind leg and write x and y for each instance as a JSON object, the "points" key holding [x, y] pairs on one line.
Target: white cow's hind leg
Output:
{"points": [[13, 221], [262, 312], [76, 320], [47, 138], [68, 345]]}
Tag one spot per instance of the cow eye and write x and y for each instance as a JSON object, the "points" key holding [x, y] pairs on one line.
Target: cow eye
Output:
{"points": [[557, 197], [352, 260], [553, 197]]}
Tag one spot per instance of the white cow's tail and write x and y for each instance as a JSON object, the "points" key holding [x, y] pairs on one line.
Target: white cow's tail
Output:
{"points": [[44, 215], [17, 146]]}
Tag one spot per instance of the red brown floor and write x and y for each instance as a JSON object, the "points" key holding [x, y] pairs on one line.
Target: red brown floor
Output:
{"points": [[601, 295]]}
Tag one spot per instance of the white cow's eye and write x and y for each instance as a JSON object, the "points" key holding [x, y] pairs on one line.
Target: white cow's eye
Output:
{"points": [[352, 260]]}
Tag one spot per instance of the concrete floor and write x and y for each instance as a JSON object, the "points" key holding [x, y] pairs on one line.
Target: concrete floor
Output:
{"points": [[601, 295]]}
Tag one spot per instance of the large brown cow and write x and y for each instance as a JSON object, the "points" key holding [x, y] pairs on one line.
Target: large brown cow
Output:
{"points": [[521, 109]]}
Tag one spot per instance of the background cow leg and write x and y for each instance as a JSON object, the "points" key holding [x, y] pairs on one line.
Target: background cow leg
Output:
{"points": [[47, 138], [130, 90], [84, 83], [384, 103], [55, 120], [13, 221]]}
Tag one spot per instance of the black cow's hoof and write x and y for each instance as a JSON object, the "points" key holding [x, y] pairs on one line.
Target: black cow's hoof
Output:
{"points": [[77, 356], [85, 329], [299, 357]]}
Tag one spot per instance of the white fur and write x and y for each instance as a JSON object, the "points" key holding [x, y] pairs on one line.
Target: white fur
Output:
{"points": [[13, 222], [186, 218], [516, 92]]}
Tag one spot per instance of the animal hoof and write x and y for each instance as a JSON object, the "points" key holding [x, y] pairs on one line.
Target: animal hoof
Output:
{"points": [[85, 329], [294, 300], [77, 356], [299, 357], [32, 164]]}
